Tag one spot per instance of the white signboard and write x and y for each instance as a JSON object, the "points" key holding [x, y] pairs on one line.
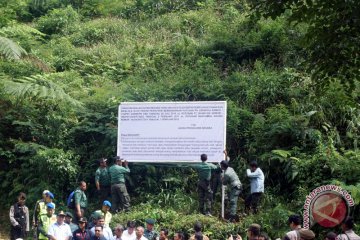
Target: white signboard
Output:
{"points": [[171, 131]]}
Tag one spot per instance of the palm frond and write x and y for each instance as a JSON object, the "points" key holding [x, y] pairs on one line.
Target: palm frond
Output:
{"points": [[10, 49]]}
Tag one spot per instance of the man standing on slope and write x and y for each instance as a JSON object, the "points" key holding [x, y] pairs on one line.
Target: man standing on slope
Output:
{"points": [[257, 187], [80, 200], [120, 196], [231, 178], [19, 218], [204, 190], [102, 180]]}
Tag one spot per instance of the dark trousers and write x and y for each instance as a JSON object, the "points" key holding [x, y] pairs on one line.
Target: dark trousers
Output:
{"points": [[215, 183], [120, 197], [205, 196], [76, 218], [17, 232], [104, 193], [253, 201]]}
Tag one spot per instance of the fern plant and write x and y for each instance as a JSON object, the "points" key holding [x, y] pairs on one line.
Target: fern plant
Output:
{"points": [[10, 49], [38, 87]]}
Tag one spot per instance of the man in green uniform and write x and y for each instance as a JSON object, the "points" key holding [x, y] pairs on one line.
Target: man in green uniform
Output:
{"points": [[231, 178], [204, 190], [102, 180], [150, 232], [80, 200], [120, 196], [46, 220]]}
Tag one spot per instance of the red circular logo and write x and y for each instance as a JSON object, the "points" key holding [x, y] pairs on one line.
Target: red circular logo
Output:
{"points": [[329, 209]]}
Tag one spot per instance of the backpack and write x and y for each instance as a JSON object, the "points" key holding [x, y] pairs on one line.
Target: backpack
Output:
{"points": [[70, 203]]}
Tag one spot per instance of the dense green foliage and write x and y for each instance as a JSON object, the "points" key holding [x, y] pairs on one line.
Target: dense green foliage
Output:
{"points": [[331, 39], [66, 65]]}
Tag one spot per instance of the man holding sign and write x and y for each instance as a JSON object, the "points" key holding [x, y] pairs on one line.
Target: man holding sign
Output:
{"points": [[120, 196], [204, 190]]}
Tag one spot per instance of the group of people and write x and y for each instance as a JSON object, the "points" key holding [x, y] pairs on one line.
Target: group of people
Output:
{"points": [[298, 233], [229, 178], [111, 181], [61, 227]]}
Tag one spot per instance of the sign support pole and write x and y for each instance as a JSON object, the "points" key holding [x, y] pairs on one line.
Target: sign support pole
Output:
{"points": [[222, 201]]}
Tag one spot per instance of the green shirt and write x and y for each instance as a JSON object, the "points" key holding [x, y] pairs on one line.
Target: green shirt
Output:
{"points": [[231, 178], [102, 176], [204, 170], [117, 174], [80, 198]]}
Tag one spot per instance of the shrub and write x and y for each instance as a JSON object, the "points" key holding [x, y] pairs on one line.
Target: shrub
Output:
{"points": [[58, 21], [273, 221]]}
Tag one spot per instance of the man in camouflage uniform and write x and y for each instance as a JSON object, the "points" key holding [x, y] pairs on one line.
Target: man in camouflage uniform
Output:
{"points": [[231, 179], [204, 190], [102, 180]]}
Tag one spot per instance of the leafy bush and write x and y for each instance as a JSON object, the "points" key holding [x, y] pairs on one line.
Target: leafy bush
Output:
{"points": [[273, 221], [58, 21]]}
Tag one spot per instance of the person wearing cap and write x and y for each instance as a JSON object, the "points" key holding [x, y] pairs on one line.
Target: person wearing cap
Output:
{"points": [[306, 234], [68, 220], [60, 230], [129, 233], [140, 234], [347, 228], [45, 221], [102, 180], [82, 233], [106, 231], [294, 222], [150, 232], [256, 185], [19, 218], [118, 231], [120, 196], [105, 212], [80, 200], [40, 206], [198, 232], [231, 178], [204, 170], [36, 213]]}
